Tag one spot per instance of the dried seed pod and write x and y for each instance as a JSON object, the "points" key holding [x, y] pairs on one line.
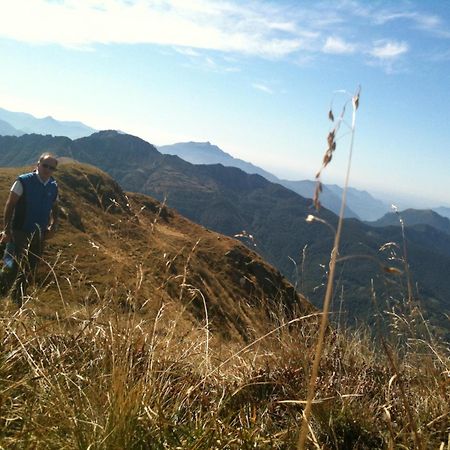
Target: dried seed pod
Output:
{"points": [[317, 192], [327, 158], [355, 98], [331, 115], [330, 138]]}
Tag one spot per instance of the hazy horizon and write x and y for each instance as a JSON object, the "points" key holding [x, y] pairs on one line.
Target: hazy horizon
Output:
{"points": [[401, 200]]}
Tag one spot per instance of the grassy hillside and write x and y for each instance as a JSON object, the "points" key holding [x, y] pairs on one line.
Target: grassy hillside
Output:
{"points": [[143, 256], [148, 331]]}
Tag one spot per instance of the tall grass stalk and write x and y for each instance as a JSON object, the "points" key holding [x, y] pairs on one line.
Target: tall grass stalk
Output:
{"points": [[388, 351], [334, 254]]}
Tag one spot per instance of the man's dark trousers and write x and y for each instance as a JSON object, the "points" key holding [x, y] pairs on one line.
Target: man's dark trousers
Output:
{"points": [[28, 247]]}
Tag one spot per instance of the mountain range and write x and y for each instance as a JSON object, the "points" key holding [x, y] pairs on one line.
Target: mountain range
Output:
{"points": [[414, 217], [19, 123], [8, 130], [443, 211], [269, 218], [360, 204]]}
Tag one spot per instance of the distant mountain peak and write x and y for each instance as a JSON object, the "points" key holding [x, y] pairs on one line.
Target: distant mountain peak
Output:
{"points": [[107, 133], [8, 130], [360, 204], [208, 153], [27, 124], [443, 211], [414, 217], [203, 145]]}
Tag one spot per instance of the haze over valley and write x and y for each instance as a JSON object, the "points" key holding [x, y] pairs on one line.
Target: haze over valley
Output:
{"points": [[360, 204]]}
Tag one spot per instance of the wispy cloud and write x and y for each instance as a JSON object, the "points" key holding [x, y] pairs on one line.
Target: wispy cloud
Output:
{"points": [[338, 46], [298, 31], [202, 24], [263, 88], [389, 49], [419, 20], [201, 60], [425, 21], [186, 51]]}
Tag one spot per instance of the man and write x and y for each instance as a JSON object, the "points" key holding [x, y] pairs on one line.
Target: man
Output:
{"points": [[30, 217]]}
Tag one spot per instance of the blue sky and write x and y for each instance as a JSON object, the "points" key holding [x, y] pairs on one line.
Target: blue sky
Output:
{"points": [[254, 77]]}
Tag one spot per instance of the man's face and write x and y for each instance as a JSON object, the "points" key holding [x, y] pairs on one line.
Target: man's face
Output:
{"points": [[46, 167]]}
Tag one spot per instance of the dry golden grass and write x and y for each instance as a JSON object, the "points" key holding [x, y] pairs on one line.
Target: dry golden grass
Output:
{"points": [[141, 255], [103, 379]]}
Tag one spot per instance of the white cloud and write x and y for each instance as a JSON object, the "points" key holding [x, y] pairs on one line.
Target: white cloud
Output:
{"points": [[429, 23], [389, 49], [338, 46], [186, 51], [194, 24], [283, 26], [202, 61], [424, 21], [261, 28], [262, 87]]}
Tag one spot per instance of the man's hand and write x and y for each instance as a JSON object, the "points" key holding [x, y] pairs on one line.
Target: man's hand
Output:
{"points": [[50, 233], [6, 237]]}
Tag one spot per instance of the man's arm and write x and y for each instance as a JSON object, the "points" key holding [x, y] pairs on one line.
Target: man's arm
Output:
{"points": [[53, 222], [54, 216], [8, 215]]}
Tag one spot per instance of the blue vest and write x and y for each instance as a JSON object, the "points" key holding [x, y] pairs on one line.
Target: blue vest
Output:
{"points": [[33, 209]]}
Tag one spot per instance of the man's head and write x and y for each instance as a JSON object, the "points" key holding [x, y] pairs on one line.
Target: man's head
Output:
{"points": [[46, 165]]}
